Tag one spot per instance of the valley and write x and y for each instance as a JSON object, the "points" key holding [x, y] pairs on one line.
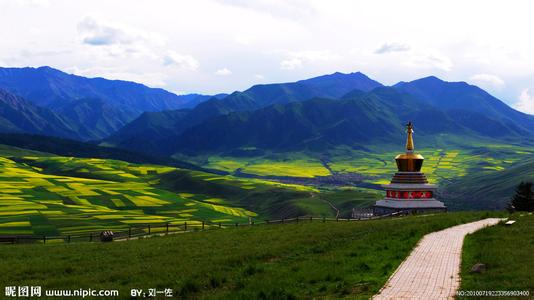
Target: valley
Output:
{"points": [[88, 154], [45, 194], [450, 168]]}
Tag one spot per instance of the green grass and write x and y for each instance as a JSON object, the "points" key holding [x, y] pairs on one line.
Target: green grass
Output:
{"points": [[441, 165], [49, 195], [63, 195], [292, 165], [467, 174], [304, 260], [507, 252]]}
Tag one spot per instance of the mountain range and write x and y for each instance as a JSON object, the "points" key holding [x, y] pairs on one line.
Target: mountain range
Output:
{"points": [[313, 114], [287, 117], [94, 107]]}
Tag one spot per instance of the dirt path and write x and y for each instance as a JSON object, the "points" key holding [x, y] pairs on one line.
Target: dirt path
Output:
{"points": [[432, 271]]}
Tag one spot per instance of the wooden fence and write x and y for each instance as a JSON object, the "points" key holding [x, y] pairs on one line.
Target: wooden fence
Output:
{"points": [[153, 229]]}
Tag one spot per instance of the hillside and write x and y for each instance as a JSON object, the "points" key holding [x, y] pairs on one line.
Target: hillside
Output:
{"points": [[96, 106], [321, 124], [45, 194], [258, 96], [20, 116], [495, 189], [461, 97], [506, 251], [331, 260], [448, 110]]}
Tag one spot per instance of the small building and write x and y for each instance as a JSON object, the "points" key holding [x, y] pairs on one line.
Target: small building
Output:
{"points": [[409, 190]]}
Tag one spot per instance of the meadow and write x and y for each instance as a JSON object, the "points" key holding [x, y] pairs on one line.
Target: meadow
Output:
{"points": [[507, 253], [45, 194], [286, 261], [441, 164], [36, 202]]}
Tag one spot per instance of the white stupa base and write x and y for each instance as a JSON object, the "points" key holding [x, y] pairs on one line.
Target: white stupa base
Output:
{"points": [[415, 206]]}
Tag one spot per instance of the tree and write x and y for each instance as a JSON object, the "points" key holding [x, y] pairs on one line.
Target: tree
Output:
{"points": [[523, 199]]}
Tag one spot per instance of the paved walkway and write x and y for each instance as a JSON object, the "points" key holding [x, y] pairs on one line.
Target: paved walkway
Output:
{"points": [[432, 271]]}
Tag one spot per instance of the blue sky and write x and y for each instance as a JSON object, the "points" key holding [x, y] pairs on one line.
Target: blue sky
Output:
{"points": [[212, 46]]}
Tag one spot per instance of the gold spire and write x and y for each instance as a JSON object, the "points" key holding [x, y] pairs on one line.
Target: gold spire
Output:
{"points": [[409, 140], [409, 161]]}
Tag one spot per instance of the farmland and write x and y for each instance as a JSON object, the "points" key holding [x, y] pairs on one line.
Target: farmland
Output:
{"points": [[441, 164], [34, 202], [54, 195], [45, 194]]}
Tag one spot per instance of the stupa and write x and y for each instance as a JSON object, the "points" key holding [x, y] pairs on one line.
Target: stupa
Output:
{"points": [[409, 190]]}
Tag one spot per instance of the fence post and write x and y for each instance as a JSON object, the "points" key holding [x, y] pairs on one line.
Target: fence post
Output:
{"points": [[297, 219], [44, 239], [68, 239], [148, 228], [236, 225], [324, 219], [185, 226], [311, 218], [220, 225], [91, 237], [167, 228], [282, 220], [267, 221], [129, 231], [202, 225]]}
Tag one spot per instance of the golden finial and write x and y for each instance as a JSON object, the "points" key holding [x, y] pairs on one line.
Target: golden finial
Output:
{"points": [[409, 141]]}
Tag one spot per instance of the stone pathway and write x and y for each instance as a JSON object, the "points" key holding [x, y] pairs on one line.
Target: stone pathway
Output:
{"points": [[432, 271]]}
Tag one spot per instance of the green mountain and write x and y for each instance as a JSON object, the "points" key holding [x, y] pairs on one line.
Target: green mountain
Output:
{"points": [[488, 191], [154, 129], [327, 86], [356, 119], [466, 101], [94, 118], [20, 116], [96, 107]]}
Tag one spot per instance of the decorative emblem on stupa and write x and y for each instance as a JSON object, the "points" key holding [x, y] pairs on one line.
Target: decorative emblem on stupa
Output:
{"points": [[409, 190]]}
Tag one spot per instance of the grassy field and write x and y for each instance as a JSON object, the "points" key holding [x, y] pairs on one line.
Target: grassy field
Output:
{"points": [[304, 260], [44, 194], [466, 174], [507, 252], [441, 165], [51, 195]]}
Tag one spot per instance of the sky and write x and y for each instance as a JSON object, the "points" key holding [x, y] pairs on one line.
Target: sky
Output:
{"points": [[214, 46]]}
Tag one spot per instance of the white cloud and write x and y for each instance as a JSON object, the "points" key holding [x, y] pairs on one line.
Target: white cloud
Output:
{"points": [[488, 80], [290, 64], [526, 102], [95, 33], [259, 76], [244, 39], [296, 59], [289, 9], [266, 37], [428, 60], [121, 73], [183, 61], [223, 72], [392, 47], [33, 3]]}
